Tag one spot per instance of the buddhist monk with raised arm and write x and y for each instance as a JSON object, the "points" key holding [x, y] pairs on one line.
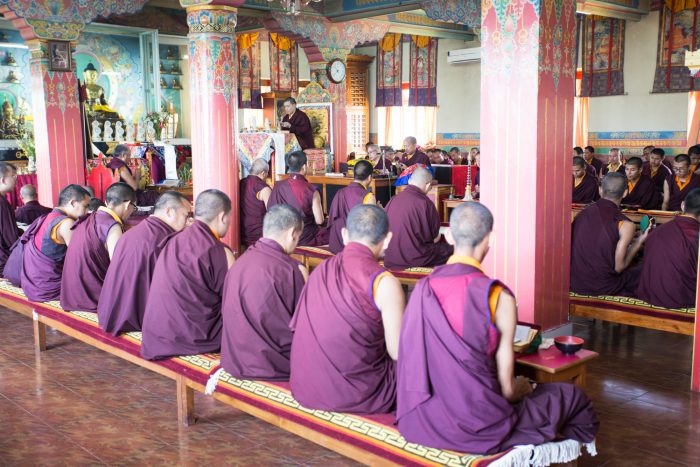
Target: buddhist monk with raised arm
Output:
{"points": [[260, 294], [683, 182], [415, 224], [456, 384], [9, 233], [255, 194], [641, 191], [122, 303], [91, 249], [45, 251], [603, 244], [346, 325], [585, 188], [346, 199], [183, 310]]}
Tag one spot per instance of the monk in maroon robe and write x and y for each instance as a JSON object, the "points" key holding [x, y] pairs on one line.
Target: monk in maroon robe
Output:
{"points": [[119, 163], [9, 233], [381, 164], [683, 183], [346, 325], [183, 310], [255, 194], [415, 223], [641, 191], [346, 199], [603, 244], [592, 161], [456, 387], [45, 251], [658, 172], [412, 155], [297, 192], [670, 267], [260, 294], [298, 123], [694, 155], [615, 162], [31, 210], [122, 303], [585, 188], [92, 246]]}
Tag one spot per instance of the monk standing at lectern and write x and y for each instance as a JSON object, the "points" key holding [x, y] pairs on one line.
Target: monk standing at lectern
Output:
{"points": [[298, 123]]}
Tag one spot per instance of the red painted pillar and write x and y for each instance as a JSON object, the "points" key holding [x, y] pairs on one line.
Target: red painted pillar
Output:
{"points": [[214, 105], [58, 131], [527, 101], [695, 375]]}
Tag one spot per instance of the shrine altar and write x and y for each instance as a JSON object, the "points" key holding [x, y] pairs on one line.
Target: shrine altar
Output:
{"points": [[265, 145]]}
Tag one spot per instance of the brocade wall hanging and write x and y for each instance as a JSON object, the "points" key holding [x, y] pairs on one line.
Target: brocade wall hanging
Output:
{"points": [[678, 33], [284, 64], [603, 56], [423, 72], [389, 55], [249, 96]]}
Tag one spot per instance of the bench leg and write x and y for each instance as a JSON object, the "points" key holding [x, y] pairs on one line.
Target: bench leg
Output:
{"points": [[185, 402], [39, 334]]}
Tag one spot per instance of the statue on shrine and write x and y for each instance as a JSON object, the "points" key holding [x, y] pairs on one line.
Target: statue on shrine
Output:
{"points": [[176, 84], [12, 77], [96, 96], [10, 60], [10, 127]]}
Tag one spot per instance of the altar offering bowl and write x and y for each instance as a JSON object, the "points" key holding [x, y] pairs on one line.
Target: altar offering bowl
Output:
{"points": [[568, 345]]}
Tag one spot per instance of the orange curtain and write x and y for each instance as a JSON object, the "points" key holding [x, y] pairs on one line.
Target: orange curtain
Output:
{"points": [[580, 118], [693, 118]]}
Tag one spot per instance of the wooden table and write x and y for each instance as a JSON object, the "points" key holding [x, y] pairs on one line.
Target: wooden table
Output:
{"points": [[185, 190], [552, 366], [635, 216], [447, 205]]}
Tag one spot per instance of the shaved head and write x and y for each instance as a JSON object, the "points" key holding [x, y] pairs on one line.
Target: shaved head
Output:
{"points": [[71, 193], [121, 150], [7, 169], [470, 223], [28, 192], [614, 186], [420, 177], [692, 203], [118, 193], [636, 162], [579, 162], [362, 170], [279, 219], [259, 166], [296, 161], [211, 203], [170, 199], [367, 223]]}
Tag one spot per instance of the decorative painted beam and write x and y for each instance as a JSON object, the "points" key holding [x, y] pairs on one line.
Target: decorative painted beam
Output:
{"points": [[466, 12], [632, 10]]}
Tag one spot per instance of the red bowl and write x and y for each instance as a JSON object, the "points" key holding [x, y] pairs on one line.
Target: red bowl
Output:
{"points": [[568, 345]]}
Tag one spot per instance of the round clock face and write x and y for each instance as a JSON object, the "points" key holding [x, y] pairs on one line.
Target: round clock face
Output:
{"points": [[337, 71]]}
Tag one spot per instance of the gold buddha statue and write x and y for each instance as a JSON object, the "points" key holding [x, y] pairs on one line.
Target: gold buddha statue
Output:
{"points": [[96, 95], [10, 60], [10, 127]]}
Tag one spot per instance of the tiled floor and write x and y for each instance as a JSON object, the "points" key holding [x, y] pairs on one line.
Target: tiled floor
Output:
{"points": [[74, 405]]}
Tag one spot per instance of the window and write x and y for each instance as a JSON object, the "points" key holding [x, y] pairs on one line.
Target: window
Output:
{"points": [[395, 123]]}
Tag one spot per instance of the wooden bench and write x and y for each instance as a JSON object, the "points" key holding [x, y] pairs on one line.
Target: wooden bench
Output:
{"points": [[633, 312]]}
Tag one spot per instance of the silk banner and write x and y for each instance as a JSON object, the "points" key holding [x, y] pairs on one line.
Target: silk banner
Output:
{"points": [[249, 96], [284, 64], [603, 56], [678, 33], [422, 82], [389, 55]]}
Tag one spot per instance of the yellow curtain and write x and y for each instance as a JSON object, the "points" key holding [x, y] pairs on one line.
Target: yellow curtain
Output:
{"points": [[421, 41], [282, 42], [680, 5], [246, 41], [389, 42], [693, 118], [580, 118]]}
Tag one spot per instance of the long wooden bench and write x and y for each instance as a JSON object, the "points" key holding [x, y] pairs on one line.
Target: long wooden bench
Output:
{"points": [[633, 312], [372, 440]]}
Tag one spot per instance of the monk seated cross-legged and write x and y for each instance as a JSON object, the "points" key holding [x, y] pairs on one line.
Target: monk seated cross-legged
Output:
{"points": [[123, 300], [670, 267], [260, 294], [255, 194], [346, 199], [415, 224], [641, 191], [658, 172], [31, 210], [684, 181], [91, 248], [603, 244], [456, 387], [297, 192], [183, 310], [615, 163], [9, 233], [346, 325], [45, 249], [585, 183]]}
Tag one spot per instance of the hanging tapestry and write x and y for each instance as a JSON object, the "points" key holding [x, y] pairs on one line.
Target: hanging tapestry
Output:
{"points": [[284, 64], [422, 81], [389, 54], [603, 56], [678, 33], [249, 96]]}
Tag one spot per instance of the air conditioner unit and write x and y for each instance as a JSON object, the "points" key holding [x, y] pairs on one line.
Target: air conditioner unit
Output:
{"points": [[458, 56]]}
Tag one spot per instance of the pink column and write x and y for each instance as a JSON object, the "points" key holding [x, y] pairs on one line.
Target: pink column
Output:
{"points": [[214, 105], [527, 91], [695, 378], [58, 131]]}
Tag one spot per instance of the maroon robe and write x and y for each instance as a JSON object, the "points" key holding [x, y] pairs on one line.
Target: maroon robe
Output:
{"points": [[586, 191], [122, 303], [415, 223], [9, 233], [143, 197], [87, 260], [42, 264], [253, 209], [346, 199], [643, 195], [30, 212], [670, 266], [383, 164], [301, 128], [677, 195], [448, 393], [339, 360], [298, 193], [595, 166], [418, 157], [620, 169], [183, 314], [15, 262], [260, 294], [662, 174], [594, 236]]}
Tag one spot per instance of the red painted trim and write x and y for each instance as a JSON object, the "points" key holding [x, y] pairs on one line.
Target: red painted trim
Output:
{"points": [[590, 68], [610, 47], [670, 50], [695, 366]]}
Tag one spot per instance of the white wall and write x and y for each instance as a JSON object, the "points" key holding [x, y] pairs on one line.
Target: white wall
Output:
{"points": [[638, 109]]}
